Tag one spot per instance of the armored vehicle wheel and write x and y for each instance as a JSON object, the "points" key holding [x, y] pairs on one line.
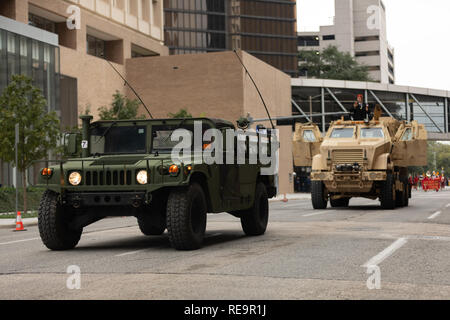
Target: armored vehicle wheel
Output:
{"points": [[186, 218], [387, 193], [254, 221], [318, 195], [402, 197], [53, 227], [407, 193], [149, 227], [340, 203]]}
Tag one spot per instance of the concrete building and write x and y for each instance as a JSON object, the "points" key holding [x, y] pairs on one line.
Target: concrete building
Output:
{"points": [[69, 65], [216, 85], [265, 29], [360, 29]]}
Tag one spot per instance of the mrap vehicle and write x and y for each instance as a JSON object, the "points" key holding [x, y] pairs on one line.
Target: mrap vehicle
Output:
{"points": [[367, 159], [126, 169]]}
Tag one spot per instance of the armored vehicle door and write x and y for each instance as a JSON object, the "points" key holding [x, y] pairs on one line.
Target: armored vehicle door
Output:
{"points": [[410, 146], [307, 140], [229, 174]]}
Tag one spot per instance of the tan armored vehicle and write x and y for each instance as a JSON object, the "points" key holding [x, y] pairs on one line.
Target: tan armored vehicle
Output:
{"points": [[361, 159]]}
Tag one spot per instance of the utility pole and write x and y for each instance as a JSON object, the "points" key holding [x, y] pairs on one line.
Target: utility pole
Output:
{"points": [[16, 144]]}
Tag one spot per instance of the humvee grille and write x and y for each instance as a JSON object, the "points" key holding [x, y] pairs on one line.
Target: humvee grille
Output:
{"points": [[348, 156], [109, 178]]}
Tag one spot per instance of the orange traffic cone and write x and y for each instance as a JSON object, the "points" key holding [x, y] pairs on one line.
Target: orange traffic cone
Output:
{"points": [[19, 223]]}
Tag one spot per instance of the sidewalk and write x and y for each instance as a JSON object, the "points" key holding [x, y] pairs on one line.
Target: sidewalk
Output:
{"points": [[293, 196], [11, 223]]}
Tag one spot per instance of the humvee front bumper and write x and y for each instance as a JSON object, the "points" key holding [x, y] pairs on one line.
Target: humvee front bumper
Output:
{"points": [[93, 199], [348, 176]]}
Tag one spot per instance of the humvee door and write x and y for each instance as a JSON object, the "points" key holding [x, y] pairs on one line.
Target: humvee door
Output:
{"points": [[307, 140], [410, 146]]}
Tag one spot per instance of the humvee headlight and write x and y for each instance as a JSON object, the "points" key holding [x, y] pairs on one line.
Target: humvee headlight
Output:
{"points": [[142, 177], [75, 178]]}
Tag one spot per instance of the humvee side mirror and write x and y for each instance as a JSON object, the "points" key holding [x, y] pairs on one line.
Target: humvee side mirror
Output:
{"points": [[71, 143]]}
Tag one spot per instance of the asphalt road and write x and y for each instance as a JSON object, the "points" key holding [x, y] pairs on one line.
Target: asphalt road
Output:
{"points": [[305, 254]]}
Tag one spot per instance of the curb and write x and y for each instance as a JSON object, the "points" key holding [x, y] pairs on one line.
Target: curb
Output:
{"points": [[11, 223], [303, 196]]}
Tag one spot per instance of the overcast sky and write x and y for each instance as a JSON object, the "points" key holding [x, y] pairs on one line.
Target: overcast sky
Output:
{"points": [[418, 30]]}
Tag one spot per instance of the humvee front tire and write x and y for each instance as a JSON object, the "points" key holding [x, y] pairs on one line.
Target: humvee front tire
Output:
{"points": [[318, 196], [149, 228], [186, 218], [254, 221], [387, 192], [340, 203], [53, 227]]}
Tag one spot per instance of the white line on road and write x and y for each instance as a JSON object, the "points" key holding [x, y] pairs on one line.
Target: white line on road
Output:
{"points": [[18, 241], [448, 206], [434, 215], [129, 253], [379, 258], [318, 213]]}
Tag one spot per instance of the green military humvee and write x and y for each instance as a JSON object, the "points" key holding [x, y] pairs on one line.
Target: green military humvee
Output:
{"points": [[126, 169]]}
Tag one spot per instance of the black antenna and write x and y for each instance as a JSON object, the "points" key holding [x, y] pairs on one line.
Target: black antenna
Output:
{"points": [[129, 85], [259, 92]]}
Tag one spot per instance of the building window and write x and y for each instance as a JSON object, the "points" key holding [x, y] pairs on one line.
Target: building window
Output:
{"points": [[139, 52], [41, 23], [329, 37], [95, 46], [308, 41], [367, 53], [368, 38], [390, 55], [391, 69]]}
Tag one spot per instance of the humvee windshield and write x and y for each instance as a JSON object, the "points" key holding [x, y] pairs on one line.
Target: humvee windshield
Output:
{"points": [[308, 136], [342, 133], [162, 137], [118, 140], [372, 133]]}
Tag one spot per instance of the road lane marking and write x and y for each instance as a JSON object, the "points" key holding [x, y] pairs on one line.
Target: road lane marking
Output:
{"points": [[18, 241], [434, 215], [129, 253], [447, 206], [318, 213], [430, 238], [379, 258]]}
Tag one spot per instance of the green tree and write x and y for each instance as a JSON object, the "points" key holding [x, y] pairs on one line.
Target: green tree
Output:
{"points": [[121, 108], [442, 152], [22, 103], [333, 64], [181, 114]]}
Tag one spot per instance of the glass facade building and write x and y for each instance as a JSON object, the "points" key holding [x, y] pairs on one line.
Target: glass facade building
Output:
{"points": [[263, 28], [32, 52], [38, 60], [330, 103]]}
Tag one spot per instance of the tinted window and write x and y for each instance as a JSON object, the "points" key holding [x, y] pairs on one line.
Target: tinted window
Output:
{"points": [[118, 140], [342, 133], [372, 133], [308, 136], [407, 136]]}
